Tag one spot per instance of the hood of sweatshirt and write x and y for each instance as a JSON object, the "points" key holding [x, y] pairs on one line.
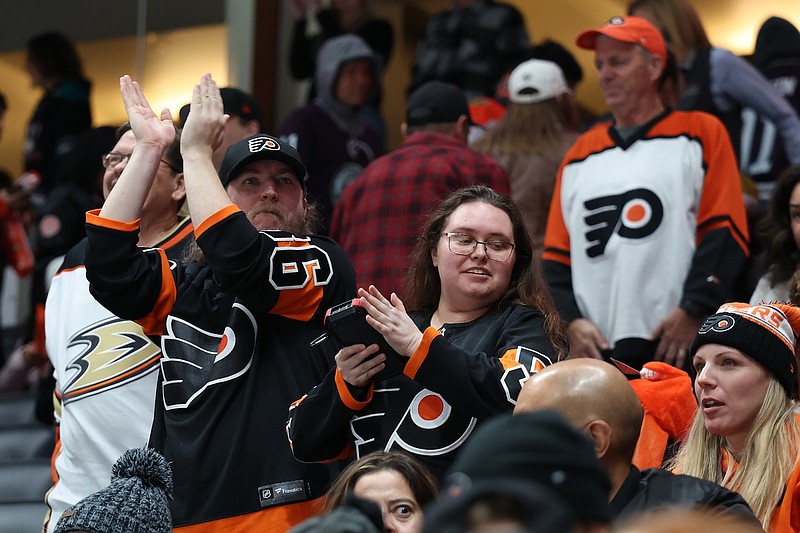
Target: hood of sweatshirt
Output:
{"points": [[334, 53], [777, 39]]}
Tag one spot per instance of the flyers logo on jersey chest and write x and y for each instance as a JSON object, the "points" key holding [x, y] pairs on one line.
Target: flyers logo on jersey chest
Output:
{"points": [[634, 214]]}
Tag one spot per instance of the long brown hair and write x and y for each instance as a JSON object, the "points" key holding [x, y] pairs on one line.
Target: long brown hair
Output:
{"points": [[781, 256], [526, 287], [677, 21], [528, 129]]}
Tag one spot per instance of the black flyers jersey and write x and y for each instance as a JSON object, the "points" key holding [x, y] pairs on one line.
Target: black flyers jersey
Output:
{"points": [[458, 377], [235, 340]]}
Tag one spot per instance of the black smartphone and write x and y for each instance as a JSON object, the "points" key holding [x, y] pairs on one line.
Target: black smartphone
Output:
{"points": [[347, 324]]}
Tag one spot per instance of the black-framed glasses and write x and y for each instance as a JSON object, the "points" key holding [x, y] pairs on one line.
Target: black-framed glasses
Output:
{"points": [[112, 159], [496, 250]]}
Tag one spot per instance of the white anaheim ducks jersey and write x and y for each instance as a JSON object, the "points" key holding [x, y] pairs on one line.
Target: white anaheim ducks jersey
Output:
{"points": [[106, 373]]}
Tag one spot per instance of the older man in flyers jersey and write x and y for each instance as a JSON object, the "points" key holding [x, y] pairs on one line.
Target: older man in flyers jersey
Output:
{"points": [[647, 228]]}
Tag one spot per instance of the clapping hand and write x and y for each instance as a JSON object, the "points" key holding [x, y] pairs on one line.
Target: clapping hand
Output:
{"points": [[205, 125], [389, 318], [148, 127]]}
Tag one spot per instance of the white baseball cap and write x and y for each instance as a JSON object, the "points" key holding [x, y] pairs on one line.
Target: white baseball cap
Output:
{"points": [[536, 80]]}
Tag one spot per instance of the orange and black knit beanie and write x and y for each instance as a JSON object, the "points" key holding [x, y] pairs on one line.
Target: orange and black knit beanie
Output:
{"points": [[767, 333]]}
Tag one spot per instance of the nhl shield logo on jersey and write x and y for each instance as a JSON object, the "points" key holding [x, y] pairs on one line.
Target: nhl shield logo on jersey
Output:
{"points": [[258, 144], [634, 214]]}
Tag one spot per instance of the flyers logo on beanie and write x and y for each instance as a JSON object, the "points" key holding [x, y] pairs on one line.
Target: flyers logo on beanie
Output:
{"points": [[263, 143], [633, 214], [717, 323]]}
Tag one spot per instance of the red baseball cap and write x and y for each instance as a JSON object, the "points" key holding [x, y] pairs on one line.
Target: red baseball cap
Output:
{"points": [[634, 30]]}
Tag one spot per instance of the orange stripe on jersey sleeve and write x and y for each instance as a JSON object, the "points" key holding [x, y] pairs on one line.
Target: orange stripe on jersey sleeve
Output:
{"points": [[347, 397], [178, 237], [279, 518], [722, 190], [222, 214], [54, 456], [93, 217], [722, 222], [419, 355], [556, 236], [721, 203], [153, 324]]}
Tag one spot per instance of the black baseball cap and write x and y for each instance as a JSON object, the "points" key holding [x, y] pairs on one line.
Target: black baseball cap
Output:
{"points": [[436, 102], [257, 147], [236, 103]]}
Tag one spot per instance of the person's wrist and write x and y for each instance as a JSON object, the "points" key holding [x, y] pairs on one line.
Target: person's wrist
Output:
{"points": [[195, 153], [357, 392]]}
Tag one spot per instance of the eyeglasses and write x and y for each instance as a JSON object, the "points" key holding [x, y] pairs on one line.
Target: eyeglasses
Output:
{"points": [[461, 244], [112, 159]]}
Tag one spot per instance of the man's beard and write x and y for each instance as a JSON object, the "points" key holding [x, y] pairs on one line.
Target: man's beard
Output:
{"points": [[300, 223], [293, 222]]}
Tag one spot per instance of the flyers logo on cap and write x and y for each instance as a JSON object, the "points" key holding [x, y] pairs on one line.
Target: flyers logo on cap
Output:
{"points": [[263, 143], [633, 214], [717, 323]]}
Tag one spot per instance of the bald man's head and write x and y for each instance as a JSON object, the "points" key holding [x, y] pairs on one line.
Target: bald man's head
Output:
{"points": [[586, 390]]}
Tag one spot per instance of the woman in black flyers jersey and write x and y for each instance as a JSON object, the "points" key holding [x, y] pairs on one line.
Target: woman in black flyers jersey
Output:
{"points": [[480, 321]]}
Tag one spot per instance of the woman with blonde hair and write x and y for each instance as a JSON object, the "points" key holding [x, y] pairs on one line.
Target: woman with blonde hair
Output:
{"points": [[532, 137], [745, 435]]}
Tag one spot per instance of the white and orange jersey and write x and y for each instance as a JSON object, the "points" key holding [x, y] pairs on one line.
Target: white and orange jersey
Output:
{"points": [[638, 225]]}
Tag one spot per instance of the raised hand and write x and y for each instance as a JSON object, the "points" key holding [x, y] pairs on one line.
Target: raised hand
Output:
{"points": [[205, 125], [148, 127]]}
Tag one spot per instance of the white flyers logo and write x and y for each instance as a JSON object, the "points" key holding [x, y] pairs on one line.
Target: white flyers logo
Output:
{"points": [[262, 143]]}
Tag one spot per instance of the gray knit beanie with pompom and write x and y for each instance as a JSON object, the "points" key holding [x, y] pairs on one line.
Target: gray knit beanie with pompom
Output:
{"points": [[134, 502]]}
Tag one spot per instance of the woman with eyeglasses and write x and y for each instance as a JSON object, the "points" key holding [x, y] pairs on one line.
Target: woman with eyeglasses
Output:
{"points": [[477, 321]]}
